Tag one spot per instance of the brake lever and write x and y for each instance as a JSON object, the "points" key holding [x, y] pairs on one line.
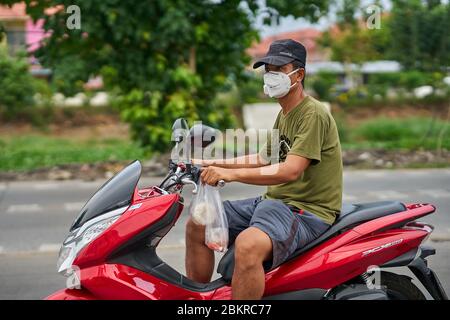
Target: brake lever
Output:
{"points": [[189, 181]]}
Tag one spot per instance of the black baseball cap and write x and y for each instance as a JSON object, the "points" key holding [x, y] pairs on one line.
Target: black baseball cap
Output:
{"points": [[282, 52]]}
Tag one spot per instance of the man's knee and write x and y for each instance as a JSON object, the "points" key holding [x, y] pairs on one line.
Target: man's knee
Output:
{"points": [[252, 248], [194, 232]]}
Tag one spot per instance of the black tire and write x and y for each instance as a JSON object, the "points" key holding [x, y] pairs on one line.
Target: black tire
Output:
{"points": [[400, 287]]}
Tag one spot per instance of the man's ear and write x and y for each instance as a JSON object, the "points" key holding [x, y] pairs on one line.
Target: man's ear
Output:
{"points": [[301, 74]]}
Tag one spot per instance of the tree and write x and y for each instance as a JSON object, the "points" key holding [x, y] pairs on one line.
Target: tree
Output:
{"points": [[164, 58], [350, 40], [415, 33], [420, 37]]}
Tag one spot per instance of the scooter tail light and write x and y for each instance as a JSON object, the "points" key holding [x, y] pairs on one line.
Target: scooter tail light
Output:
{"points": [[421, 226]]}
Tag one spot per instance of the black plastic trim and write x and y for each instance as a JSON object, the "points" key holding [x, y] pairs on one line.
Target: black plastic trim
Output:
{"points": [[419, 267], [426, 251], [428, 278], [402, 260], [356, 292], [408, 257], [306, 294]]}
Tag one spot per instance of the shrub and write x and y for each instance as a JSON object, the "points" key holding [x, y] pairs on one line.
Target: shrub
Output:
{"points": [[391, 79], [16, 85], [323, 83], [414, 79]]}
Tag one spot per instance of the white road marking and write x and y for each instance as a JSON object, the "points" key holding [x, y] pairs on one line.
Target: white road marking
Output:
{"points": [[46, 186], [374, 174], [416, 173], [388, 195], [440, 237], [171, 246], [24, 208], [94, 185], [436, 193], [49, 247], [73, 206]]}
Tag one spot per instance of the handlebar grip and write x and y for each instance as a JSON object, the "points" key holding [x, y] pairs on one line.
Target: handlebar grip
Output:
{"points": [[221, 183]]}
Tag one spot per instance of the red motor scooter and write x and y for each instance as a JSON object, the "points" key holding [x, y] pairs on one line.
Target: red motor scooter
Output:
{"points": [[110, 252]]}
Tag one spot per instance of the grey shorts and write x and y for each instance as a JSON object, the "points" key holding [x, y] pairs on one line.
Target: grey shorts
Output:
{"points": [[288, 229]]}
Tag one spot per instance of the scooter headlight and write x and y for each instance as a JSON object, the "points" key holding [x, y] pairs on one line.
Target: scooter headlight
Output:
{"points": [[94, 231], [81, 237]]}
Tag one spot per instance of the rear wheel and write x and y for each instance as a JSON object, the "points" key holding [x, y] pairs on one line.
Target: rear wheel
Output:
{"points": [[400, 287], [391, 286]]}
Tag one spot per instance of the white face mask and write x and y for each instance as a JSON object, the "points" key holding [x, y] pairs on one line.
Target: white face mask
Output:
{"points": [[277, 84]]}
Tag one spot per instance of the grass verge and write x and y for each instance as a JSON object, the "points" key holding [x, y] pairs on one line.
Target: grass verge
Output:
{"points": [[28, 152]]}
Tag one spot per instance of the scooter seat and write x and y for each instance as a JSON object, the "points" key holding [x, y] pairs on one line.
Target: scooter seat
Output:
{"points": [[351, 215]]}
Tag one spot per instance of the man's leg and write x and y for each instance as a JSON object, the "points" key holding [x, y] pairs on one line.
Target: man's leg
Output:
{"points": [[252, 248], [199, 258]]}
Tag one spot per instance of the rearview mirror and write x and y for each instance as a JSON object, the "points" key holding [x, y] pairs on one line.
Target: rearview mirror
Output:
{"points": [[202, 135]]}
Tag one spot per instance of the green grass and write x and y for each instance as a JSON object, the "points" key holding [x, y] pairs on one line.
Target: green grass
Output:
{"points": [[26, 152], [34, 151], [408, 133]]}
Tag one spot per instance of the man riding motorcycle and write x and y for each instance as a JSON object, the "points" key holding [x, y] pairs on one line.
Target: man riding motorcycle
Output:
{"points": [[304, 194]]}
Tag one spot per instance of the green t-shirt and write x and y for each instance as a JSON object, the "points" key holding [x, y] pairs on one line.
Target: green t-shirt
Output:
{"points": [[310, 131]]}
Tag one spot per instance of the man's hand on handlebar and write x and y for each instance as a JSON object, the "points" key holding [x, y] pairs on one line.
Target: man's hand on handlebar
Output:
{"points": [[212, 175], [203, 162]]}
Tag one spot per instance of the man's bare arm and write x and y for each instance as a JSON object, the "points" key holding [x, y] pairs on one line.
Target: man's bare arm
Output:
{"points": [[248, 161], [290, 170]]}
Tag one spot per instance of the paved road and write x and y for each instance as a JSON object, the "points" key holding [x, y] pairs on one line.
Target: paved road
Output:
{"points": [[35, 217]]}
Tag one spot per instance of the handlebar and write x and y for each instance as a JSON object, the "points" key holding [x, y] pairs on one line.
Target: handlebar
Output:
{"points": [[184, 174]]}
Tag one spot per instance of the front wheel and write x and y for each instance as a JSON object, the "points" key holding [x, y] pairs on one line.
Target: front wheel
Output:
{"points": [[400, 287]]}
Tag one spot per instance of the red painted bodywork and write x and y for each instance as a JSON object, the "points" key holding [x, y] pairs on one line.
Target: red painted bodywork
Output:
{"points": [[131, 223], [327, 265]]}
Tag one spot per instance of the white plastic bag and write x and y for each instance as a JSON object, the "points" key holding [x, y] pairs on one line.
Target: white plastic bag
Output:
{"points": [[200, 210], [207, 209]]}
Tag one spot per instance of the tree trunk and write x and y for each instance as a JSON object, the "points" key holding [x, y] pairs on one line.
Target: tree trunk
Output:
{"points": [[192, 59]]}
